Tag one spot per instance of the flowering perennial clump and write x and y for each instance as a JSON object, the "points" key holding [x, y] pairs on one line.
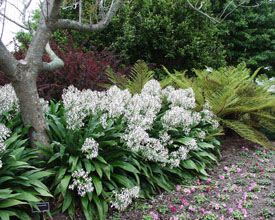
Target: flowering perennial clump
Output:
{"points": [[139, 113], [124, 198], [82, 182], [9, 100], [90, 147], [4, 134]]}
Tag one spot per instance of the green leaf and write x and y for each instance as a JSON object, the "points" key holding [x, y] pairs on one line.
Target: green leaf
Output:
{"points": [[27, 197], [73, 162], [183, 140], [189, 164], [11, 202], [54, 157], [60, 174], [124, 165], [123, 180], [67, 201], [97, 168], [204, 145], [12, 139], [64, 184], [99, 206], [88, 166], [98, 184], [5, 215]]}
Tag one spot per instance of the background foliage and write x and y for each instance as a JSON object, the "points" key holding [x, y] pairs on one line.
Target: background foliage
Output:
{"points": [[160, 32], [248, 34]]}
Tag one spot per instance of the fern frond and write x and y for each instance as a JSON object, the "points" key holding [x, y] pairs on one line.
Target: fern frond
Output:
{"points": [[139, 76], [116, 79], [268, 124], [248, 132]]}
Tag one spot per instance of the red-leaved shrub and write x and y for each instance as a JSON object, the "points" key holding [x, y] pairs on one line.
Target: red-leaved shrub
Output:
{"points": [[83, 69]]}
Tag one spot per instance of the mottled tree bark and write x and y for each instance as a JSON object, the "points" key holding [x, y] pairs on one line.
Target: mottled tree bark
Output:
{"points": [[31, 110]]}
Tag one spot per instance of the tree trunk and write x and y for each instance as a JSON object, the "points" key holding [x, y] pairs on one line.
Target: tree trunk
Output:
{"points": [[30, 108]]}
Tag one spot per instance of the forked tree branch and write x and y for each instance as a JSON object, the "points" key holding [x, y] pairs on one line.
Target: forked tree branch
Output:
{"points": [[74, 25]]}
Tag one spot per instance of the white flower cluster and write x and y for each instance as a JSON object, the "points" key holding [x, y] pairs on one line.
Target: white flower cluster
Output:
{"points": [[8, 98], [209, 116], [180, 117], [82, 182], [80, 104], [139, 112], [4, 134], [271, 81], [90, 147], [184, 98], [124, 198]]}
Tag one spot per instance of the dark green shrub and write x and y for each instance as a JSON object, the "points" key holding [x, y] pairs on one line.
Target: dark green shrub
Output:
{"points": [[164, 32]]}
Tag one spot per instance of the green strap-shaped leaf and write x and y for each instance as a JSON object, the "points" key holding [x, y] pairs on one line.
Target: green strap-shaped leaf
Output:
{"points": [[67, 201], [100, 206], [98, 184], [11, 202], [124, 165], [189, 164], [64, 184]]}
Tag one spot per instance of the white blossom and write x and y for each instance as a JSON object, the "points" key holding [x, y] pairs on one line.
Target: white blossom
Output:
{"points": [[82, 182], [4, 132], [8, 98], [180, 117], [181, 97], [1, 164], [90, 147], [124, 198], [192, 144]]}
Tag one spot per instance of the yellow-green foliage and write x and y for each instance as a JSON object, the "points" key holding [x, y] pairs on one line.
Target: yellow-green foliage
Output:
{"points": [[236, 99], [139, 76]]}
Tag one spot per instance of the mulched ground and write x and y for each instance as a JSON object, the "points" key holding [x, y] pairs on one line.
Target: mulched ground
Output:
{"points": [[245, 190]]}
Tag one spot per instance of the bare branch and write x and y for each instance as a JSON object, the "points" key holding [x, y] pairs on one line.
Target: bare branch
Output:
{"points": [[56, 61], [214, 20], [11, 20], [26, 6], [13, 5], [80, 11], [232, 2], [70, 24], [3, 26], [223, 15], [7, 62]]}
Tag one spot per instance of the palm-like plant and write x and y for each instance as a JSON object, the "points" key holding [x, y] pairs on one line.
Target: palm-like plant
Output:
{"points": [[236, 99]]}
